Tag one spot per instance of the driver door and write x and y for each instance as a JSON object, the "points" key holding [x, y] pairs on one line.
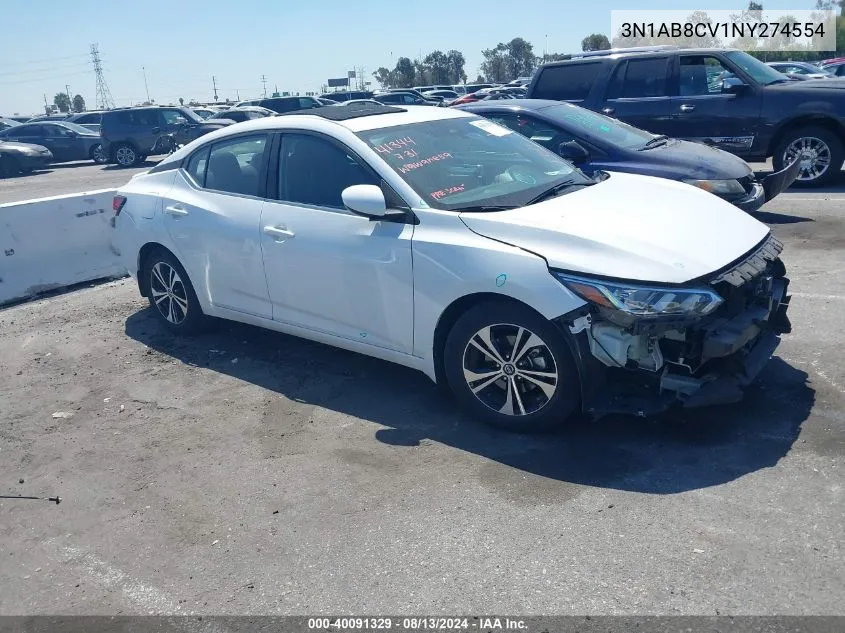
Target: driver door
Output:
{"points": [[328, 269]]}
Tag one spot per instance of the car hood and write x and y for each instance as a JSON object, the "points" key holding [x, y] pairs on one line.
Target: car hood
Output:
{"points": [[23, 146], [834, 85], [686, 159], [628, 227]]}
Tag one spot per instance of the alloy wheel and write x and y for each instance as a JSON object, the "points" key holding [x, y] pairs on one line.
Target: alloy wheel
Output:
{"points": [[125, 155], [510, 369], [814, 155], [169, 294], [98, 155]]}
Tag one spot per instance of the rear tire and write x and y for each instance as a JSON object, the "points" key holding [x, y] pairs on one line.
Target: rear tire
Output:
{"points": [[171, 293], [819, 150], [126, 156], [511, 368], [98, 155]]}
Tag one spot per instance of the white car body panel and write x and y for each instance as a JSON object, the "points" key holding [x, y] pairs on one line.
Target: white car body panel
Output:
{"points": [[379, 287], [629, 227]]}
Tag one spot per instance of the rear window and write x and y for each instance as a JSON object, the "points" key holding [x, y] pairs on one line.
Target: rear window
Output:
{"points": [[571, 82]]}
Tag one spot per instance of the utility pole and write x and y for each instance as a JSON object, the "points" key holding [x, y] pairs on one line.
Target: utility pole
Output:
{"points": [[214, 83], [264, 83], [146, 89], [69, 100]]}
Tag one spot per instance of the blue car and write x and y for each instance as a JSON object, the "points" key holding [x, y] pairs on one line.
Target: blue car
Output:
{"points": [[596, 142]]}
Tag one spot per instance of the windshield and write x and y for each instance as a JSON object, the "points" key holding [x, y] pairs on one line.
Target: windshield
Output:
{"points": [[470, 162], [760, 72], [597, 128], [190, 115], [77, 128]]}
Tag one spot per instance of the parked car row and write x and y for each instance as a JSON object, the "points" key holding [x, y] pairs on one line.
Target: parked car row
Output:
{"points": [[720, 97]]}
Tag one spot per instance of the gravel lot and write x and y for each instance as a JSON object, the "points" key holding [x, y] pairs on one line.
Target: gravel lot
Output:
{"points": [[247, 472]]}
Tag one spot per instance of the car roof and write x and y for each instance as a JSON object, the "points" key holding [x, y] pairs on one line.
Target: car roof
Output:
{"points": [[585, 58]]}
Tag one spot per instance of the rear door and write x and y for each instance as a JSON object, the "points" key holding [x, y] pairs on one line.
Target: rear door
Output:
{"points": [[27, 133], [702, 112], [639, 93], [212, 213]]}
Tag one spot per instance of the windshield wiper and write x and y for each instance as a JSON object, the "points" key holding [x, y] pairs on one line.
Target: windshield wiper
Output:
{"points": [[484, 207], [661, 139], [557, 189]]}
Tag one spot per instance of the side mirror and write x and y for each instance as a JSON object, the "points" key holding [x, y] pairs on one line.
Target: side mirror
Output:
{"points": [[573, 151], [366, 200], [733, 85]]}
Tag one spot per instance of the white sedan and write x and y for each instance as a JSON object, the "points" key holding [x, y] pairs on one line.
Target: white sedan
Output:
{"points": [[439, 240]]}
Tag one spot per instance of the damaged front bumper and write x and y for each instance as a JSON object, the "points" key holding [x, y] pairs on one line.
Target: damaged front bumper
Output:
{"points": [[647, 367]]}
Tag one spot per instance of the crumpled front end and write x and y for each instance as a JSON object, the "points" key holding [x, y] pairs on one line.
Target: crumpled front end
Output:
{"points": [[645, 365]]}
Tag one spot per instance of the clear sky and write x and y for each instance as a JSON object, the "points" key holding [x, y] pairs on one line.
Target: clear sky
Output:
{"points": [[297, 45]]}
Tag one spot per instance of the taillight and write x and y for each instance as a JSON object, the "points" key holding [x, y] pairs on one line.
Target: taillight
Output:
{"points": [[117, 204]]}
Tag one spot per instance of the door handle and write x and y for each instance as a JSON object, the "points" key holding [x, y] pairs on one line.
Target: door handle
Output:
{"points": [[175, 210], [279, 233], [686, 107], [608, 110]]}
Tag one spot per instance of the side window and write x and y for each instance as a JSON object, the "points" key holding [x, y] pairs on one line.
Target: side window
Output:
{"points": [[196, 166], [701, 75], [315, 171], [307, 102], [570, 82], [645, 78], [547, 135], [57, 131], [30, 130], [171, 116], [234, 166]]}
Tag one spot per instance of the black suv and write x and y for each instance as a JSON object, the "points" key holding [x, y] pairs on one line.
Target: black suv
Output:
{"points": [[348, 95], [129, 135], [720, 97]]}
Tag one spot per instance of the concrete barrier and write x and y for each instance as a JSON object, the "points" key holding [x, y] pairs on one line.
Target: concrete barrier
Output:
{"points": [[50, 243]]}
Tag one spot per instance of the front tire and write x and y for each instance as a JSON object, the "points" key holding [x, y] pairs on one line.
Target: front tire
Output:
{"points": [[126, 156], [819, 150], [171, 293], [511, 368]]}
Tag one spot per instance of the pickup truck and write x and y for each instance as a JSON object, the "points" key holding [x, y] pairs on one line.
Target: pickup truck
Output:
{"points": [[721, 97]]}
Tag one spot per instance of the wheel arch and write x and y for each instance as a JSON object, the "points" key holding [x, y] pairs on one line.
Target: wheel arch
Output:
{"points": [[143, 255], [805, 120], [460, 306]]}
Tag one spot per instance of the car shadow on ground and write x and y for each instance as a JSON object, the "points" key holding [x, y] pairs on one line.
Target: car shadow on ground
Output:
{"points": [[838, 186], [674, 453], [769, 217]]}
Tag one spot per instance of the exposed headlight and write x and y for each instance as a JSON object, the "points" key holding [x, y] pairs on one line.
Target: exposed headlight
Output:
{"points": [[719, 187], [643, 301]]}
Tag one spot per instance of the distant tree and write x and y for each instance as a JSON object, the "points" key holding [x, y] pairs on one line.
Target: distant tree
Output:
{"points": [[436, 68], [557, 57], [595, 42], [495, 65], [479, 79], [421, 74], [383, 76], [456, 64], [404, 73], [181, 101], [520, 58], [755, 6], [78, 103], [62, 102]]}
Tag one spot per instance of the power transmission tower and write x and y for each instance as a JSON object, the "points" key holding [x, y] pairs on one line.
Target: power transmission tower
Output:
{"points": [[104, 100], [214, 83], [264, 83]]}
